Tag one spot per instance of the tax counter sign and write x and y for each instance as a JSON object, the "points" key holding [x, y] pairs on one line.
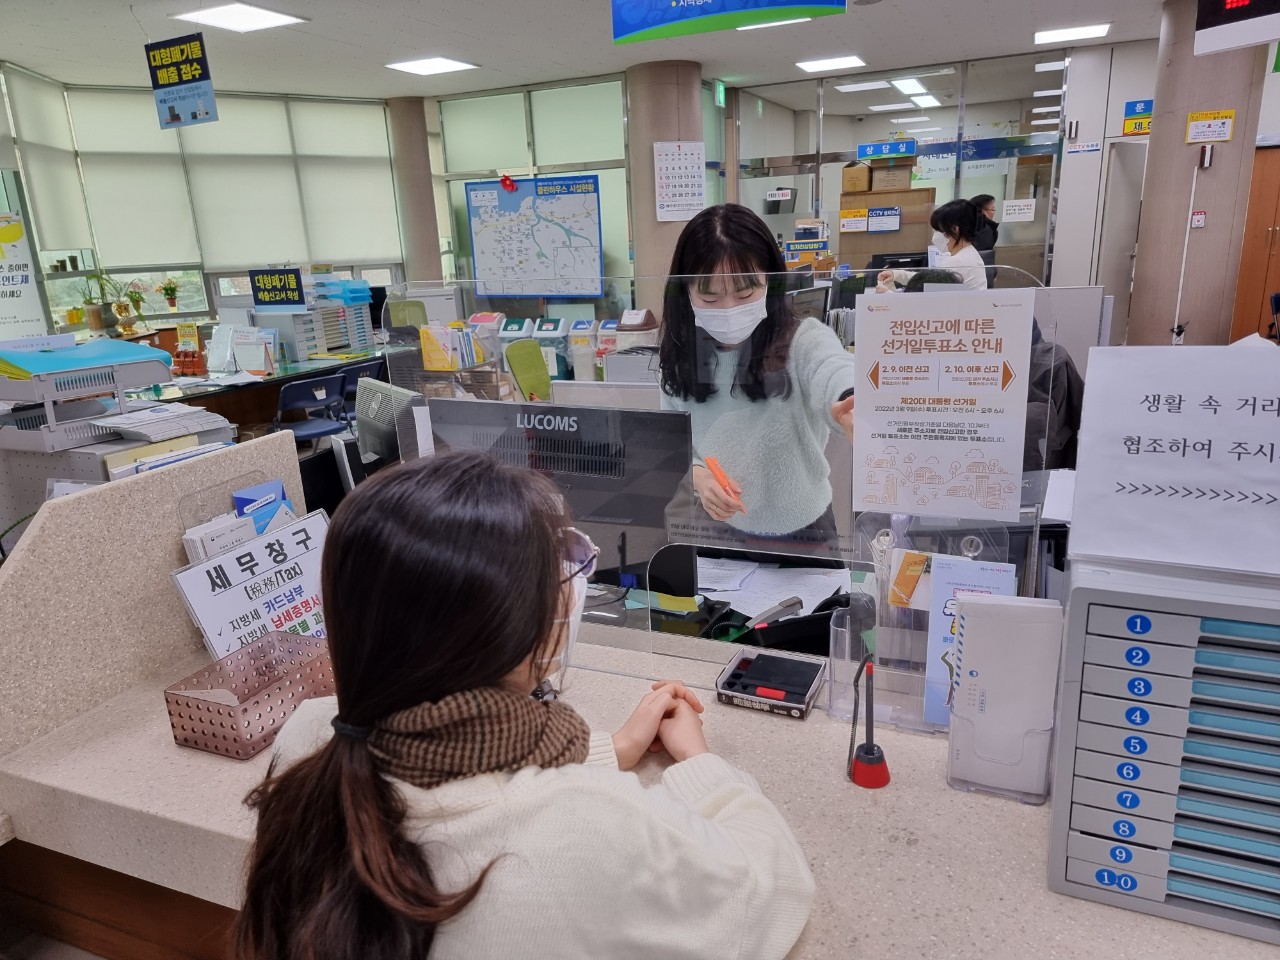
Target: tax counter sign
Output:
{"points": [[181, 82]]}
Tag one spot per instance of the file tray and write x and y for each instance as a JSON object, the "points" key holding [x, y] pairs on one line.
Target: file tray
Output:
{"points": [[85, 382], [236, 706], [30, 429]]}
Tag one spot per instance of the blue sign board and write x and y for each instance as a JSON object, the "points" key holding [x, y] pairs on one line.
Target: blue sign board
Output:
{"points": [[880, 151], [805, 246], [1138, 108], [277, 291], [635, 21], [884, 220], [181, 82]]}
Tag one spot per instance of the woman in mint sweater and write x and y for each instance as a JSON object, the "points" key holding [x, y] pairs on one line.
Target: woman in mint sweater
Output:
{"points": [[764, 388]]}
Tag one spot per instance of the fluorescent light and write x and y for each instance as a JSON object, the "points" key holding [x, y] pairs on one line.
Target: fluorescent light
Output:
{"points": [[776, 23], [835, 63], [910, 86], [1047, 110], [1051, 66], [909, 119], [1046, 123], [882, 107], [861, 87], [431, 65], [927, 101], [1073, 33], [239, 17], [923, 130], [1049, 93]]}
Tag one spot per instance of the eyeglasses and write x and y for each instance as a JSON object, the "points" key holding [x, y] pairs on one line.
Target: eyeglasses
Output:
{"points": [[580, 554]]}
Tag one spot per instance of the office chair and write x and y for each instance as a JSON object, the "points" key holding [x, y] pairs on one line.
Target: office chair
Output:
{"points": [[1273, 331], [321, 399], [370, 369], [529, 367]]}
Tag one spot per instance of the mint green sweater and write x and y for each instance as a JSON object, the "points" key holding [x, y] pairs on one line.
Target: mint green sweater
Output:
{"points": [[776, 448]]}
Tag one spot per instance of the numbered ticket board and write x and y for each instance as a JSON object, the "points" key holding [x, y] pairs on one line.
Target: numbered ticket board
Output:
{"points": [[1167, 786]]}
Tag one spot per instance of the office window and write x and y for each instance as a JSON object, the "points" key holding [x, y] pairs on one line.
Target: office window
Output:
{"points": [[485, 133], [248, 209], [579, 124]]}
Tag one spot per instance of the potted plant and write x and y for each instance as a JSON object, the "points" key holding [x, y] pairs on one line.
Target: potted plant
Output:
{"points": [[104, 293], [168, 288], [90, 294], [134, 291]]}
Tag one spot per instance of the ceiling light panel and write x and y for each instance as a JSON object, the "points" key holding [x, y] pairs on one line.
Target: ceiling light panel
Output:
{"points": [[1046, 123], [239, 17], [910, 86], [883, 107], [862, 87], [431, 66], [833, 63], [909, 119], [1071, 34], [927, 101], [1051, 67], [922, 130], [1047, 110], [1049, 93]]}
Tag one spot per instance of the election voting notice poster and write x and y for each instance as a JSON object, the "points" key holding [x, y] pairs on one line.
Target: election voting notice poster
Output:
{"points": [[942, 403], [268, 584], [1179, 456]]}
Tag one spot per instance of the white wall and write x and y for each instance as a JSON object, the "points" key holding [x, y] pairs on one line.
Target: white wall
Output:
{"points": [[764, 129], [1100, 81]]}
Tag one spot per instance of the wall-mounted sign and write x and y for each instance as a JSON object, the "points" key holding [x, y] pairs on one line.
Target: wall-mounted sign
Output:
{"points": [[778, 195], [1231, 24], [793, 248], [884, 219], [21, 313], [1019, 211], [181, 82], [1085, 146], [854, 221], [278, 291], [636, 22], [1137, 117], [881, 151], [1211, 126], [719, 93]]}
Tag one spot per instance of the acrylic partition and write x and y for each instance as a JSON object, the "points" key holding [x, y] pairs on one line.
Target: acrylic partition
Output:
{"points": [[581, 367]]}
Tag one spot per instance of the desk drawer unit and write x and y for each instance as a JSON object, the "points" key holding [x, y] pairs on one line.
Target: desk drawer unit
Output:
{"points": [[1168, 753]]}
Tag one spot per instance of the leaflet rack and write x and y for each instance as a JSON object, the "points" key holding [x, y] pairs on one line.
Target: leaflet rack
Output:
{"points": [[70, 403]]}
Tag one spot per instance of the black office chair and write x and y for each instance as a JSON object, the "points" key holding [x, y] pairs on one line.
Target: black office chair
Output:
{"points": [[320, 399], [989, 258]]}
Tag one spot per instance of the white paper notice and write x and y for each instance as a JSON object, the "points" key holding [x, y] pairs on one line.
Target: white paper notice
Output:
{"points": [[1180, 456], [942, 403], [679, 178], [1019, 211]]}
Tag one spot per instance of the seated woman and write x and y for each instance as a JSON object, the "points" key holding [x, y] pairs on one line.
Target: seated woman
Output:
{"points": [[765, 391], [453, 815], [955, 226]]}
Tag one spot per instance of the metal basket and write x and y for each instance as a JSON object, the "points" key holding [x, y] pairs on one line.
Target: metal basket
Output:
{"points": [[236, 706]]}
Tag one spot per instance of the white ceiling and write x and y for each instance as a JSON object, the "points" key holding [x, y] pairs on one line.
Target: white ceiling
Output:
{"points": [[342, 49]]}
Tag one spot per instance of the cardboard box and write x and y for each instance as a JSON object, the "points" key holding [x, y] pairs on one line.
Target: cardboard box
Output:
{"points": [[890, 178], [856, 249], [855, 178]]}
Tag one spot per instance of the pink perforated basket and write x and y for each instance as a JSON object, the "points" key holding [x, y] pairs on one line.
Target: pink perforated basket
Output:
{"points": [[236, 706]]}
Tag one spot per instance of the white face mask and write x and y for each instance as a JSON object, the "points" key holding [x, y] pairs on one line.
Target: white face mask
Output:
{"points": [[559, 664], [731, 325], [940, 242]]}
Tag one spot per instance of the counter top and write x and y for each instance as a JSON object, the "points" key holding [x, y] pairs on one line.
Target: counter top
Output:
{"points": [[915, 870]]}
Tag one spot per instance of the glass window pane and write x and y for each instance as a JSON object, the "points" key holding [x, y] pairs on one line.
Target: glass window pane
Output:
{"points": [[140, 210], [768, 129], [237, 286], [376, 276], [118, 122], [40, 112], [351, 210], [326, 129], [247, 126], [248, 211], [578, 124], [485, 133]]}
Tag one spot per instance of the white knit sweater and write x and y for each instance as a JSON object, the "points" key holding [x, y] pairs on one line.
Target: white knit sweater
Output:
{"points": [[590, 864]]}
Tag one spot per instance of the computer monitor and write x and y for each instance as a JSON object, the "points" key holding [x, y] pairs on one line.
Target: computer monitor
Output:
{"points": [[783, 201], [618, 470], [385, 427], [899, 261], [809, 303], [800, 278], [606, 396], [846, 291]]}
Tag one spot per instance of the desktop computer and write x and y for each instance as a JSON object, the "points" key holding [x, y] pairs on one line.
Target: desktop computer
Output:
{"points": [[385, 428], [618, 471], [811, 302]]}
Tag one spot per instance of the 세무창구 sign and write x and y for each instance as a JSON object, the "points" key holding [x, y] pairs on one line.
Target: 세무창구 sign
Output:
{"points": [[941, 416]]}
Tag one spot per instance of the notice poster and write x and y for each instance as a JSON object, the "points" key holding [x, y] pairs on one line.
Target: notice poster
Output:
{"points": [[679, 178], [941, 416], [1180, 456], [1211, 126], [854, 221], [884, 219], [181, 82], [21, 313], [1019, 211]]}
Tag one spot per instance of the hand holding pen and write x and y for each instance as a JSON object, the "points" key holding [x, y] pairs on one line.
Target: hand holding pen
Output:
{"points": [[720, 495]]}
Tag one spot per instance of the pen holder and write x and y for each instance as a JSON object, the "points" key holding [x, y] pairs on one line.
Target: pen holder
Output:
{"points": [[848, 647], [237, 705]]}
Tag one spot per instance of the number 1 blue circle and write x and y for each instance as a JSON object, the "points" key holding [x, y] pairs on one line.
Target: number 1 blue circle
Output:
{"points": [[1138, 624], [1105, 877]]}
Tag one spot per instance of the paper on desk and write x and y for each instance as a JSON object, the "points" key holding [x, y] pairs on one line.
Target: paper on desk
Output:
{"points": [[770, 585], [1058, 496], [236, 379], [723, 574]]}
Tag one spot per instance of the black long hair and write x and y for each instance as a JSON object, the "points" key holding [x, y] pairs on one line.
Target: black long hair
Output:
{"points": [[332, 874], [958, 215], [725, 239]]}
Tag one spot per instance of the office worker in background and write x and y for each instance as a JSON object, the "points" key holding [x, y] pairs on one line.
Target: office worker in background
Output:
{"points": [[988, 233], [765, 390], [441, 811], [955, 225]]}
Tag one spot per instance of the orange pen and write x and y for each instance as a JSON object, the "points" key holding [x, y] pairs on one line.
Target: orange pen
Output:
{"points": [[722, 478]]}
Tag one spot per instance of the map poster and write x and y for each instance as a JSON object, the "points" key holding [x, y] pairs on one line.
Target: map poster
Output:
{"points": [[542, 239], [942, 403]]}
